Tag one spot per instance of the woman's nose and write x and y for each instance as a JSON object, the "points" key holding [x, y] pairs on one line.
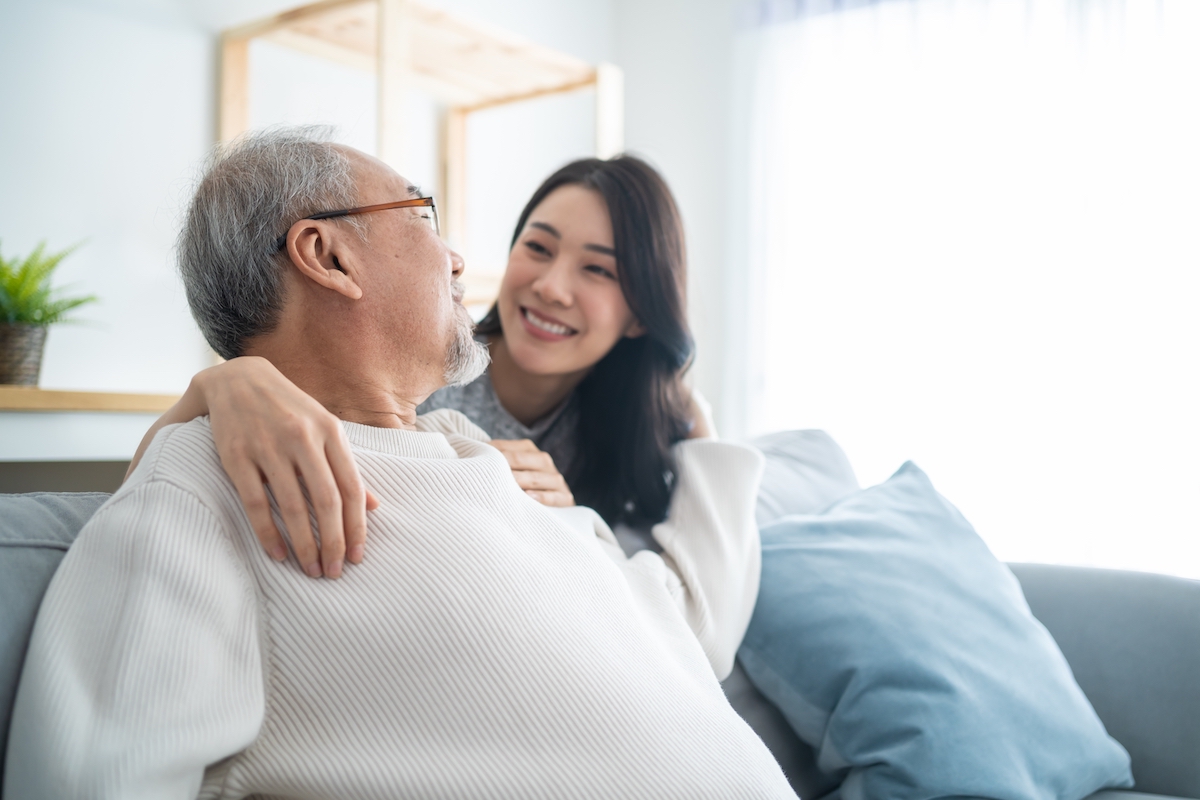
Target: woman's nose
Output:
{"points": [[554, 285]]}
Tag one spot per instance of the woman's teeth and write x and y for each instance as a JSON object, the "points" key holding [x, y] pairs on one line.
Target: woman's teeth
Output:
{"points": [[549, 327]]}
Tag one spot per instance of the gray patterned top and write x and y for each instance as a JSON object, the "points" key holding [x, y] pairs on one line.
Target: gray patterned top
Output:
{"points": [[554, 433]]}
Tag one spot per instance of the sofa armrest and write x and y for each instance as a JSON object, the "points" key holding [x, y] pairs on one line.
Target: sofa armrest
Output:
{"points": [[1133, 641]]}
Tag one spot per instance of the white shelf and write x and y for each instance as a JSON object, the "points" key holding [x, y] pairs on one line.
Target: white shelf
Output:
{"points": [[72, 435]]}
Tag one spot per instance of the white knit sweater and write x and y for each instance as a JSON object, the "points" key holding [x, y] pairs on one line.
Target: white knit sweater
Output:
{"points": [[487, 647]]}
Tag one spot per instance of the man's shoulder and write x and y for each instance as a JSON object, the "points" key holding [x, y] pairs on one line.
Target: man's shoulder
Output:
{"points": [[449, 422], [183, 454], [179, 483]]}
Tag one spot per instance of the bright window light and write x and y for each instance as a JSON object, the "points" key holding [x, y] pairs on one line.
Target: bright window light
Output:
{"points": [[981, 252]]}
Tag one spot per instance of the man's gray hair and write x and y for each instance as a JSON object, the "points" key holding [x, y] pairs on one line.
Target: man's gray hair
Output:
{"points": [[253, 190]]}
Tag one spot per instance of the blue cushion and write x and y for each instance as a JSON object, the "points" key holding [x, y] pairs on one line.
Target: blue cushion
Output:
{"points": [[35, 531], [904, 652]]}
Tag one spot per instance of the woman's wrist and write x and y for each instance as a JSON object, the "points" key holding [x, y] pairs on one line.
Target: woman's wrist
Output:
{"points": [[194, 402], [208, 385]]}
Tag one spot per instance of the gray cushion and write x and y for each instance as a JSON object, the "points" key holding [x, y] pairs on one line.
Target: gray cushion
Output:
{"points": [[35, 531], [805, 472], [1133, 641], [797, 760]]}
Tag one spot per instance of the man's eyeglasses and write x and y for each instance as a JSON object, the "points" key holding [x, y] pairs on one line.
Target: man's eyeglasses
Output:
{"points": [[416, 202]]}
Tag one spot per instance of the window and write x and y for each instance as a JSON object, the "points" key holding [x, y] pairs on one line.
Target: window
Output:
{"points": [[980, 250]]}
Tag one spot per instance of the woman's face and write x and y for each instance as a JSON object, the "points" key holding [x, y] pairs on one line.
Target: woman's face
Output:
{"points": [[561, 305]]}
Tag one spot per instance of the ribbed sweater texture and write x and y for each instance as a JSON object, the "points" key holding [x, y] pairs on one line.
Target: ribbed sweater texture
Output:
{"points": [[487, 647]]}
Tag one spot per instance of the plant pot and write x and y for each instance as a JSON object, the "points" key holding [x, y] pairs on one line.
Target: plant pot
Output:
{"points": [[21, 349]]}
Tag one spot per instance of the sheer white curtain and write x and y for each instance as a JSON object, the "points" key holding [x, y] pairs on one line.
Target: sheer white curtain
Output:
{"points": [[974, 242]]}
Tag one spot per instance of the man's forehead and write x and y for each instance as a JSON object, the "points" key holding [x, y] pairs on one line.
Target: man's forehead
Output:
{"points": [[370, 171]]}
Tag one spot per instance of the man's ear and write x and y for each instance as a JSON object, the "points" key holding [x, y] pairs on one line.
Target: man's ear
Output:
{"points": [[318, 253]]}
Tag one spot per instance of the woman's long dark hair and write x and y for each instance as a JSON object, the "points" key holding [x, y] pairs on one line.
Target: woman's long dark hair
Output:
{"points": [[631, 405]]}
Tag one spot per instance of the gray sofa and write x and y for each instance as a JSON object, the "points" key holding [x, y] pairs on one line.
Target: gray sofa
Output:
{"points": [[1133, 641]]}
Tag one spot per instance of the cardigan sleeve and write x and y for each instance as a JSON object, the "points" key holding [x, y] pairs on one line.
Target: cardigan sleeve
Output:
{"points": [[711, 545], [144, 666]]}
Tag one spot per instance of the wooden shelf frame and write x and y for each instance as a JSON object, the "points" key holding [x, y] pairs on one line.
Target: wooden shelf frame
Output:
{"points": [[30, 398], [466, 66]]}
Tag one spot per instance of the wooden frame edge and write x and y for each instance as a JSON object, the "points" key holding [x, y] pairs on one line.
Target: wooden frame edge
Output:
{"points": [[31, 398], [265, 25]]}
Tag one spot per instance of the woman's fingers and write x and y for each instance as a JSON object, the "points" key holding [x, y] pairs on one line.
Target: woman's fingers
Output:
{"points": [[353, 496], [556, 499], [535, 472], [539, 461], [285, 485], [249, 484], [526, 445], [326, 501], [524, 454], [547, 481]]}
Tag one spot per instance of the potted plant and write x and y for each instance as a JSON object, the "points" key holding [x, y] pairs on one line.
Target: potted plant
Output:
{"points": [[28, 306]]}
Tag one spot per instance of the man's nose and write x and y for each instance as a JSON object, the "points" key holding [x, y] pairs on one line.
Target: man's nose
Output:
{"points": [[457, 265], [554, 285]]}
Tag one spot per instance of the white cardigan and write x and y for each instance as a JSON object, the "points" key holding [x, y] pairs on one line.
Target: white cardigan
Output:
{"points": [[486, 647]]}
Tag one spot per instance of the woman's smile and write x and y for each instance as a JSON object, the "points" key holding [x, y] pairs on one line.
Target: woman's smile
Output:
{"points": [[544, 326]]}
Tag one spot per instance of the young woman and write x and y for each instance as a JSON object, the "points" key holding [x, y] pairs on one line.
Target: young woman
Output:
{"points": [[589, 343]]}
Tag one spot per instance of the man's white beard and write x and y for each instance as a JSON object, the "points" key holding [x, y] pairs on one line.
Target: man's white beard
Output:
{"points": [[466, 359]]}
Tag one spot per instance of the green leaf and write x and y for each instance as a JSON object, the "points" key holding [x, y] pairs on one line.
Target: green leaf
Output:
{"points": [[26, 296]]}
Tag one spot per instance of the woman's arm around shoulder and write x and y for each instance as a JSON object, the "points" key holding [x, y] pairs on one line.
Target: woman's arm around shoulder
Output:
{"points": [[269, 432]]}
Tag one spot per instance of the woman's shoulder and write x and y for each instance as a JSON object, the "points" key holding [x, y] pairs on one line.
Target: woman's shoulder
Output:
{"points": [[458, 397], [476, 400]]}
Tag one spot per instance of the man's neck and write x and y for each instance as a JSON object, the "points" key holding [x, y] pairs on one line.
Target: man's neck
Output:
{"points": [[526, 396], [365, 399]]}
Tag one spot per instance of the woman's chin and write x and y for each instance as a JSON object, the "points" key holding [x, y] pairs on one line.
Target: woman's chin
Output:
{"points": [[546, 359], [533, 359]]}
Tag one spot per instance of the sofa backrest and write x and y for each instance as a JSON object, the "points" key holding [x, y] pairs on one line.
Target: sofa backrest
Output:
{"points": [[35, 531]]}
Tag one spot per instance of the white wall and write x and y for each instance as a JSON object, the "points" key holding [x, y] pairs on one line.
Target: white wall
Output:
{"points": [[108, 112], [678, 58], [104, 118]]}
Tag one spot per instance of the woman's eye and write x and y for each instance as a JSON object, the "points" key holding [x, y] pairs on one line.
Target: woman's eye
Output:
{"points": [[537, 248], [599, 270]]}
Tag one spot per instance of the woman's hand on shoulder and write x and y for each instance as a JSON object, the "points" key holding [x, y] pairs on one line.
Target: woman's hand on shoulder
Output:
{"points": [[535, 472], [701, 414], [270, 433]]}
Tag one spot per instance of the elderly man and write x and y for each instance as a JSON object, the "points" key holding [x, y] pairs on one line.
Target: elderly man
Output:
{"points": [[490, 647]]}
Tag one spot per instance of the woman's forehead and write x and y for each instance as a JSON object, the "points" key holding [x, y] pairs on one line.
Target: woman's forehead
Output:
{"points": [[576, 213]]}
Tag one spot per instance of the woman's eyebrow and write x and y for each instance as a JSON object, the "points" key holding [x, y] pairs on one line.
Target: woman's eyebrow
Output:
{"points": [[596, 248], [547, 228]]}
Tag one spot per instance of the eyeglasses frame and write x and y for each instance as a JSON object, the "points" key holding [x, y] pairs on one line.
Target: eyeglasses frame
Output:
{"points": [[412, 202]]}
